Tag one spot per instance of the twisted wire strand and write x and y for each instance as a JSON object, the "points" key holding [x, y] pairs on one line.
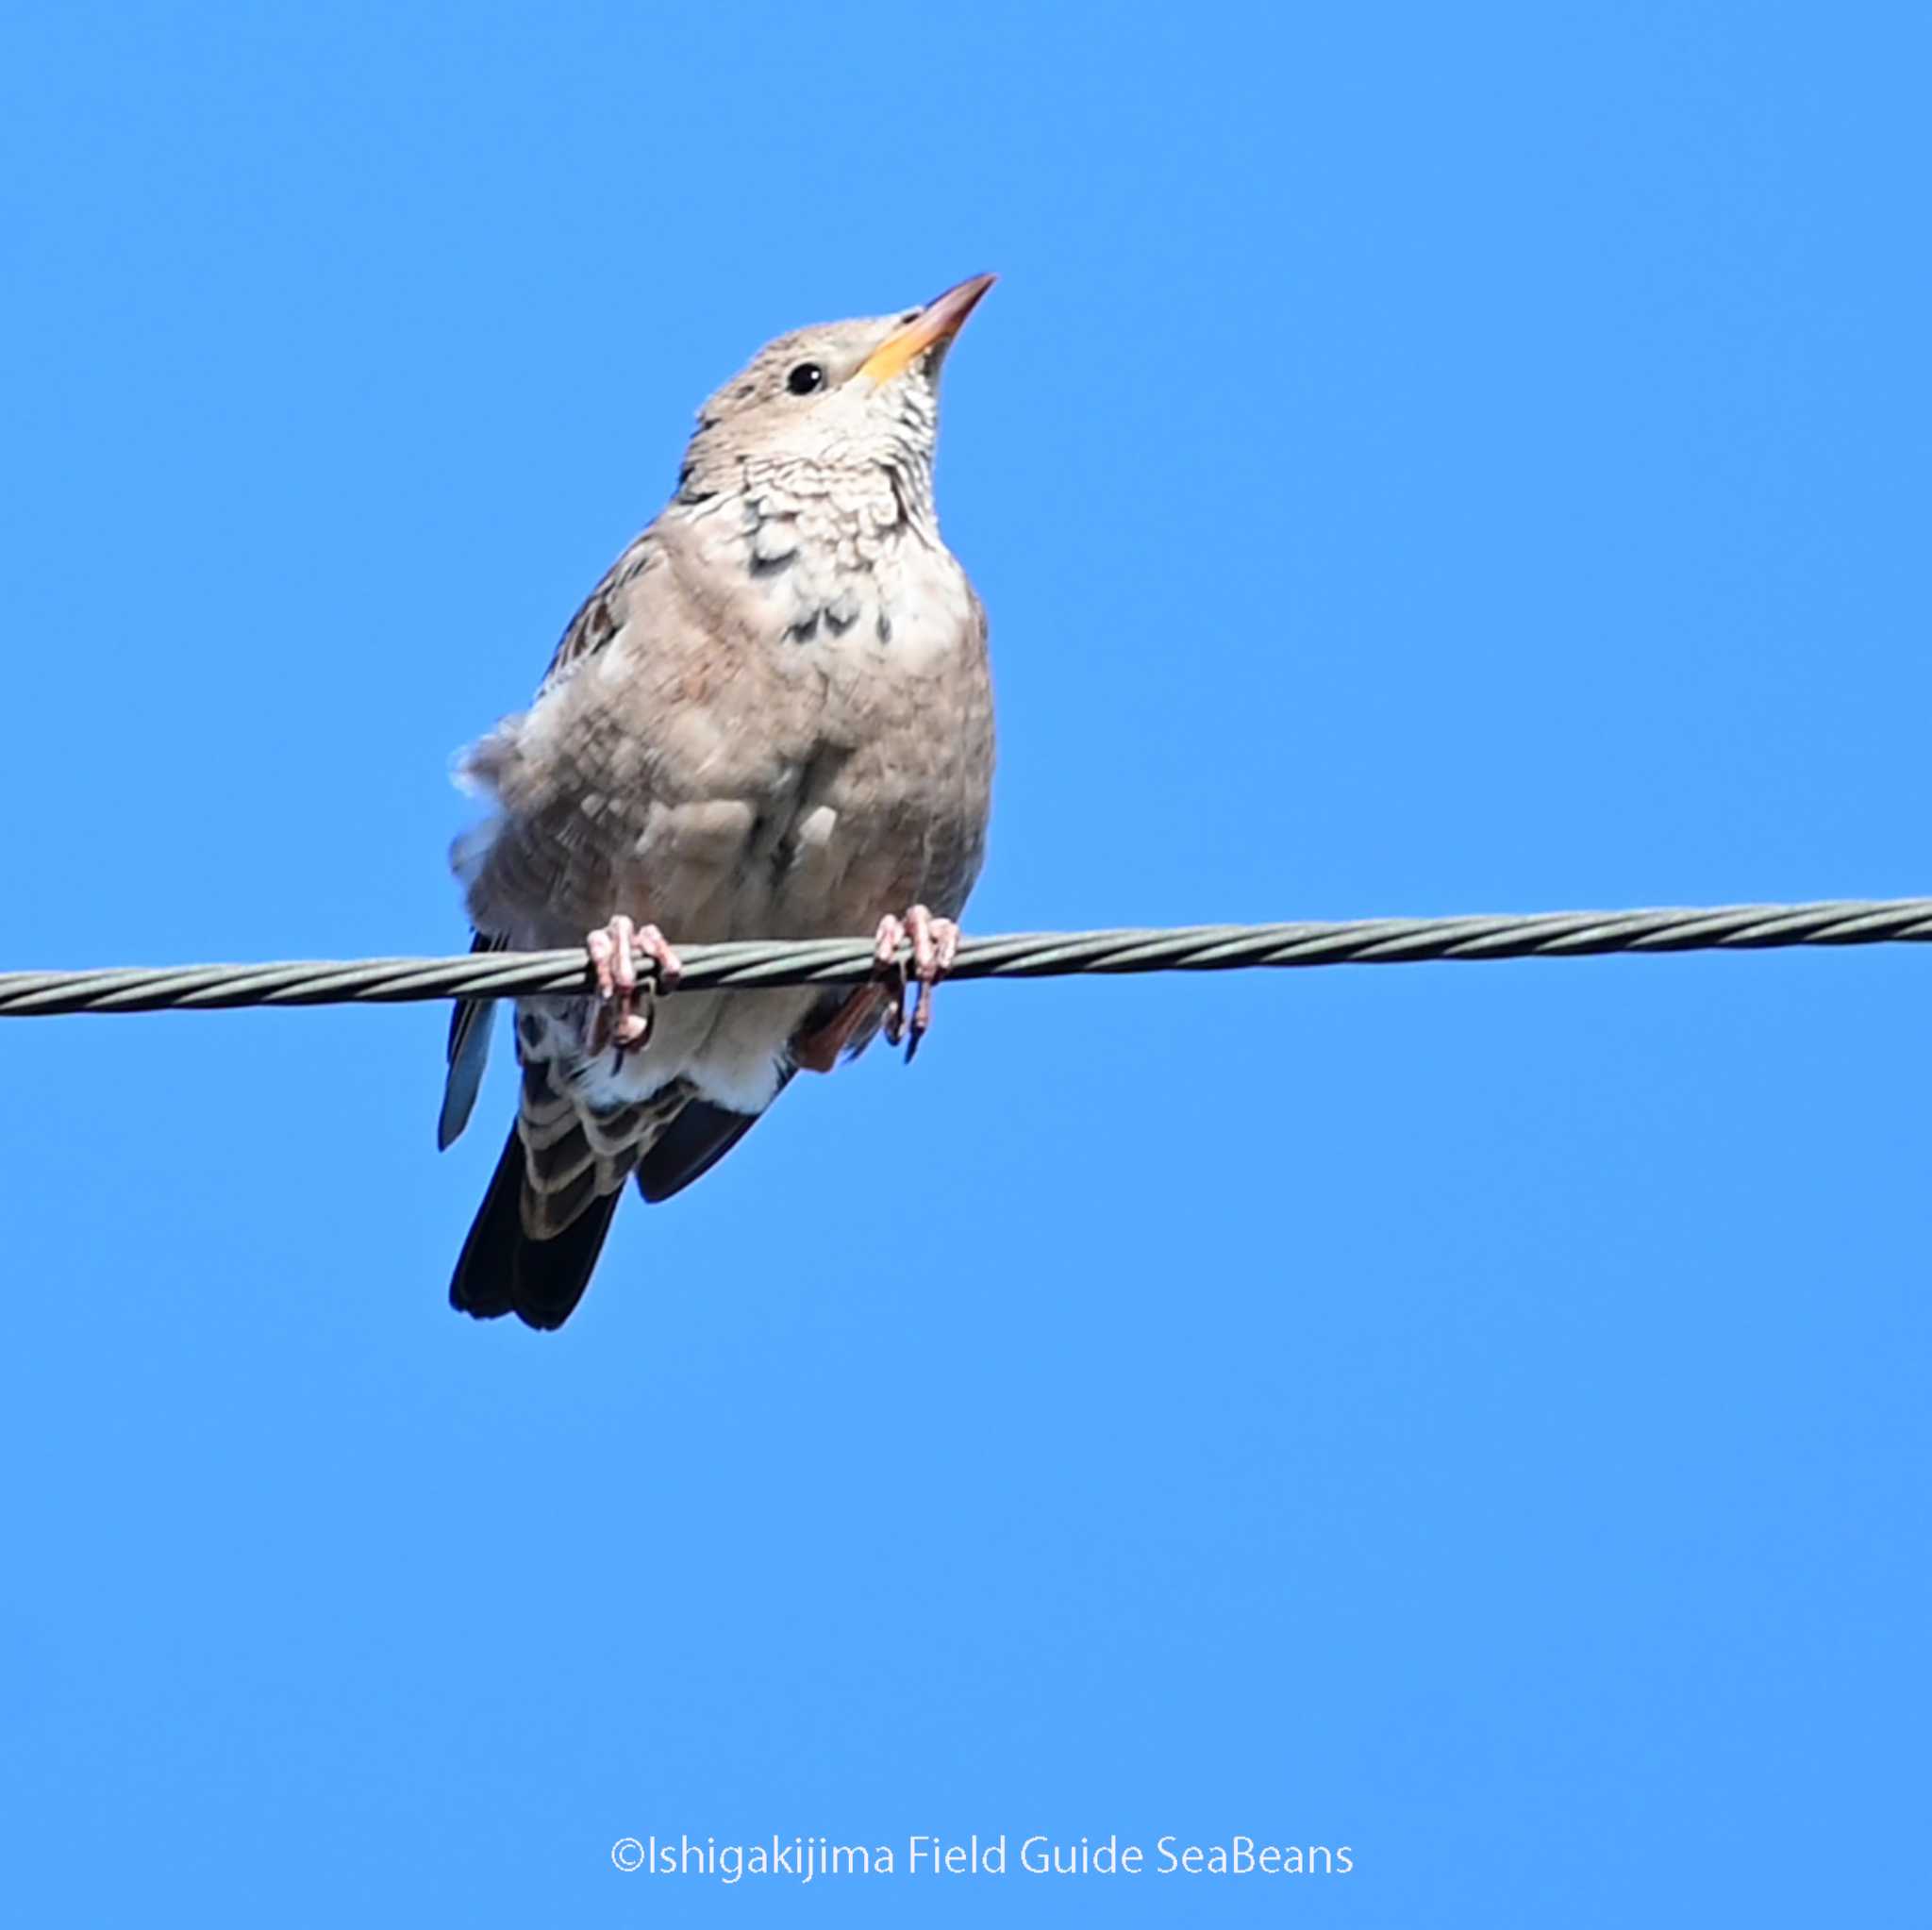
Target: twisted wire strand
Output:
{"points": [[1021, 954]]}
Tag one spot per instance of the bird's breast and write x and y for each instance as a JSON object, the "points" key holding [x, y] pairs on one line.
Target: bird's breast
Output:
{"points": [[788, 736], [842, 751]]}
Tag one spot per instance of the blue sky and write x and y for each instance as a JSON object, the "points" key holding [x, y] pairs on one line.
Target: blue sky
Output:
{"points": [[1417, 459]]}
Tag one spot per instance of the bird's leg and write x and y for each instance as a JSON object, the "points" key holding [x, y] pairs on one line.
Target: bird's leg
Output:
{"points": [[613, 952], [935, 943], [818, 1051]]}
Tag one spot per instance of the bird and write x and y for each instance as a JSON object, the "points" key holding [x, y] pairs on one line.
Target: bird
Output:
{"points": [[772, 718]]}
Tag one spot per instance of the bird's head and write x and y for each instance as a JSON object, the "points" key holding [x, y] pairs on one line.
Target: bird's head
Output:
{"points": [[844, 394]]}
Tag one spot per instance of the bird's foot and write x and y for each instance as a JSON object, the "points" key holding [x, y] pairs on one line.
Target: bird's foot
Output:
{"points": [[935, 943], [615, 951]]}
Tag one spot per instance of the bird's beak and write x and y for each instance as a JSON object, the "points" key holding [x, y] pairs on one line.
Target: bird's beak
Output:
{"points": [[936, 323]]}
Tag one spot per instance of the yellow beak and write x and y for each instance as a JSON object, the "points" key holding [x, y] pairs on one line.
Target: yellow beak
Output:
{"points": [[939, 320]]}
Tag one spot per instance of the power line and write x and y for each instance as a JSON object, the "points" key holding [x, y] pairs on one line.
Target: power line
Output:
{"points": [[1024, 955]]}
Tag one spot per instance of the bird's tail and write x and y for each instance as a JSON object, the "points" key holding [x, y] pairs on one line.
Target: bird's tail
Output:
{"points": [[544, 1222], [503, 1270]]}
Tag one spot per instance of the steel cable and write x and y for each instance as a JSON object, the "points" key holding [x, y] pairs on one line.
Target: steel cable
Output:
{"points": [[1024, 955]]}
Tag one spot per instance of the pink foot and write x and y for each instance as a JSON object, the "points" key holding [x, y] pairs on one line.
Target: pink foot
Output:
{"points": [[935, 943], [615, 951]]}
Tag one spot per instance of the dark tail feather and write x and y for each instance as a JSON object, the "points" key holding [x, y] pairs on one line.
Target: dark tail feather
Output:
{"points": [[502, 1269]]}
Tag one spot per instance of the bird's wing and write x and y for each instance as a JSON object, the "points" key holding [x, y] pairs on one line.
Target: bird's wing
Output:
{"points": [[599, 617], [467, 1055], [693, 1142]]}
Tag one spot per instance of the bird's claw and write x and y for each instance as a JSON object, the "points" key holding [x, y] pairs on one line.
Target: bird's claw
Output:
{"points": [[935, 943], [615, 951]]}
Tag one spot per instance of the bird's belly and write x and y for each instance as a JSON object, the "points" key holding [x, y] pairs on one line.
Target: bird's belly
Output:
{"points": [[785, 872], [850, 835]]}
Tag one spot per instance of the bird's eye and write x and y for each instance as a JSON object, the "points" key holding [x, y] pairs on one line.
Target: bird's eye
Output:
{"points": [[805, 378]]}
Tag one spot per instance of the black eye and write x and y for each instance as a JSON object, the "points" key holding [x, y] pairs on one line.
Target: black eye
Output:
{"points": [[805, 378]]}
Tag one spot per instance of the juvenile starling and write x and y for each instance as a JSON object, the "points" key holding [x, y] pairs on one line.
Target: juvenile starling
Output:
{"points": [[772, 719]]}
